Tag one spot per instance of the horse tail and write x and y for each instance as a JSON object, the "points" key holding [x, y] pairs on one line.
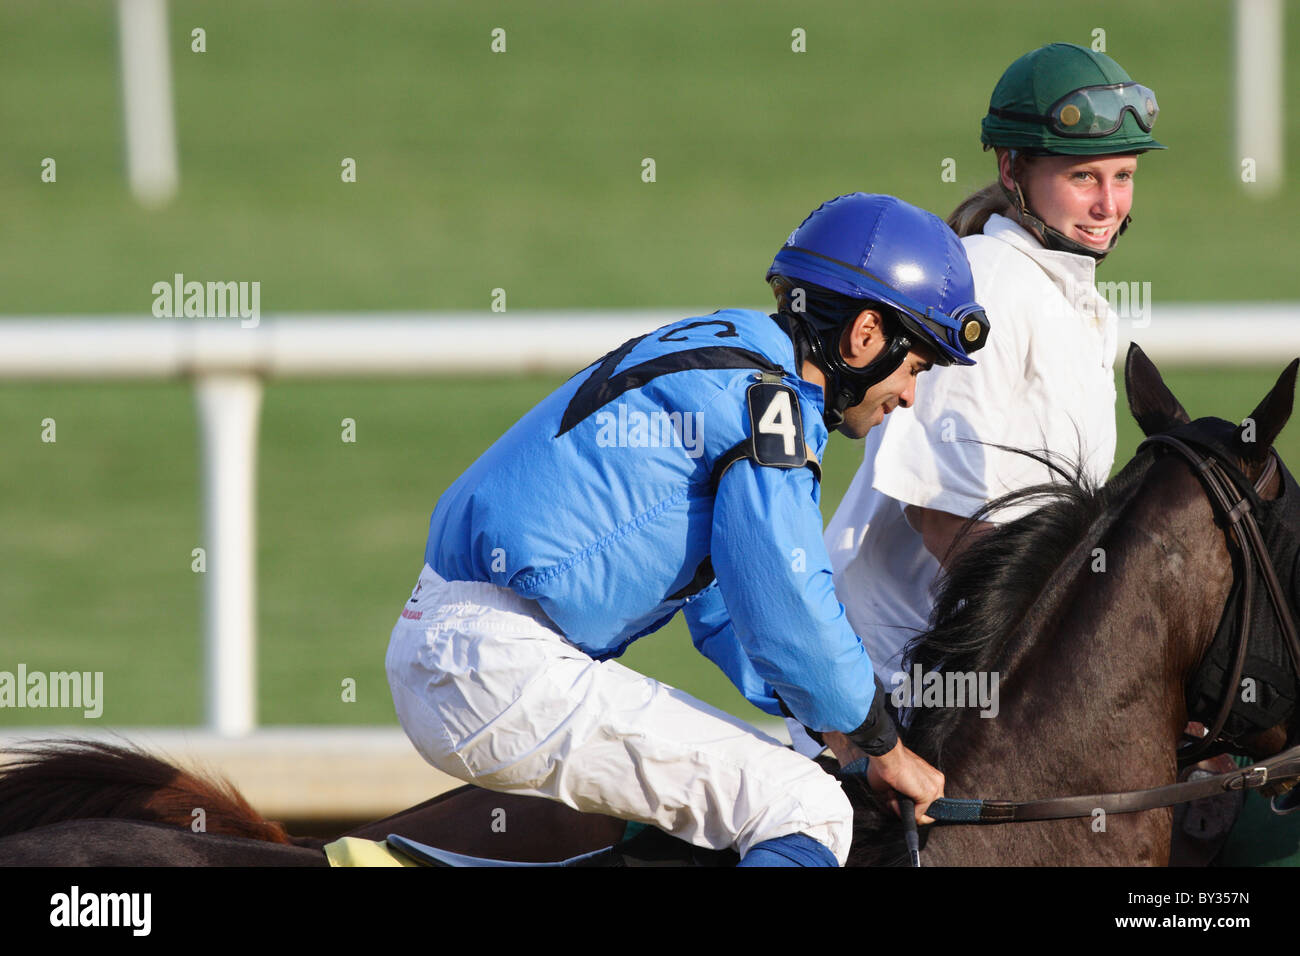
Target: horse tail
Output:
{"points": [[49, 781]]}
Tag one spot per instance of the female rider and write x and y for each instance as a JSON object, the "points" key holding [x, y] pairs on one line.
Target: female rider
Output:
{"points": [[1067, 125]]}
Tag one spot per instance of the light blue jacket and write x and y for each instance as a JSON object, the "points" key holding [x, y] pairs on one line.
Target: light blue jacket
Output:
{"points": [[599, 504]]}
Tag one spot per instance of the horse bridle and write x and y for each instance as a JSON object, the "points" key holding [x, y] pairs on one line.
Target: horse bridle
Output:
{"points": [[1256, 563]]}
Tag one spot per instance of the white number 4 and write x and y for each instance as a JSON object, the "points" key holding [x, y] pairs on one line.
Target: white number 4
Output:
{"points": [[779, 420]]}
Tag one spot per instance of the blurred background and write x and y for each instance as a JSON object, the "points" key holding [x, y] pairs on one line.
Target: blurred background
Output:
{"points": [[478, 170]]}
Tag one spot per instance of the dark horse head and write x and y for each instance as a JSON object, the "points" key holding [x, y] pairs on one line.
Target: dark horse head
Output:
{"points": [[1089, 616]]}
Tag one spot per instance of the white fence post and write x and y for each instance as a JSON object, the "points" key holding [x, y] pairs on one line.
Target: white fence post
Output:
{"points": [[147, 100], [1259, 114], [229, 409]]}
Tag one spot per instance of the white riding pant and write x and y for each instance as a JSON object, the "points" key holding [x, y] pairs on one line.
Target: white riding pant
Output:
{"points": [[491, 693]]}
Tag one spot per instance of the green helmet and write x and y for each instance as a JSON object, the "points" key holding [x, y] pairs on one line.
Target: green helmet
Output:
{"points": [[1066, 99]]}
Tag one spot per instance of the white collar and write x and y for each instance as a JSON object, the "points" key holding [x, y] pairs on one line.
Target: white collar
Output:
{"points": [[1074, 274], [1063, 267]]}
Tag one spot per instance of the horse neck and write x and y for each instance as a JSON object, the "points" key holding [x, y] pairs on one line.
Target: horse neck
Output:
{"points": [[1091, 685]]}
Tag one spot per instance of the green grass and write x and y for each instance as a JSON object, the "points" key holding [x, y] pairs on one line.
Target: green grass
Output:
{"points": [[522, 170], [97, 530]]}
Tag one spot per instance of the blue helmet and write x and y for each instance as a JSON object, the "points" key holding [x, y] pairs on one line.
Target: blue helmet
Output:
{"points": [[883, 250]]}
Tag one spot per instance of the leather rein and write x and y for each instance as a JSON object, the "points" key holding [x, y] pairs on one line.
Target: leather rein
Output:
{"points": [[1281, 770]]}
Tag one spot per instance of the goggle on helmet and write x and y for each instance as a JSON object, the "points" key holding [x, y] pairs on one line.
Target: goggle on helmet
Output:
{"points": [[1093, 111]]}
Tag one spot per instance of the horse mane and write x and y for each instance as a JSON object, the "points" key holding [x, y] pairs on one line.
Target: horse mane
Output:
{"points": [[987, 592], [50, 781], [983, 599]]}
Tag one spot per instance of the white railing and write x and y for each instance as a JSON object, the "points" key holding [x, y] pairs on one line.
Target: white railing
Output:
{"points": [[229, 362]]}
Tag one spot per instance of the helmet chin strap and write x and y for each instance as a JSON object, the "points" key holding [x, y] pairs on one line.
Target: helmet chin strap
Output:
{"points": [[1045, 234], [847, 389], [846, 386]]}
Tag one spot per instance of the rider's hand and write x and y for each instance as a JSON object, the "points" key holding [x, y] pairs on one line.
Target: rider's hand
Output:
{"points": [[899, 771]]}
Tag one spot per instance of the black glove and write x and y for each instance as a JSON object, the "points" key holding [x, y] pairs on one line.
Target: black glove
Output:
{"points": [[877, 735]]}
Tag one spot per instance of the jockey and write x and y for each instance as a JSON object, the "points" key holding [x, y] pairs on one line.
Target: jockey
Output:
{"points": [[680, 473]]}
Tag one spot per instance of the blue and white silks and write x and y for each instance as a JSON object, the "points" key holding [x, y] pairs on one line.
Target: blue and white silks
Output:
{"points": [[599, 504]]}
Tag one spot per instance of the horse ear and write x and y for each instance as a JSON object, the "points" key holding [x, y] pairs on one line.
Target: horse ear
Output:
{"points": [[1258, 432], [1149, 398]]}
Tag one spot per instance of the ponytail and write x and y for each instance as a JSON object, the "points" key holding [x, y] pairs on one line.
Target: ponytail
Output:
{"points": [[968, 219]]}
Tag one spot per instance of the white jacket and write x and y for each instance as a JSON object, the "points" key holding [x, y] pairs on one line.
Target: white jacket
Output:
{"points": [[1044, 380]]}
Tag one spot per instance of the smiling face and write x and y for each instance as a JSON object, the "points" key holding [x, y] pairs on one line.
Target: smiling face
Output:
{"points": [[1086, 198]]}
